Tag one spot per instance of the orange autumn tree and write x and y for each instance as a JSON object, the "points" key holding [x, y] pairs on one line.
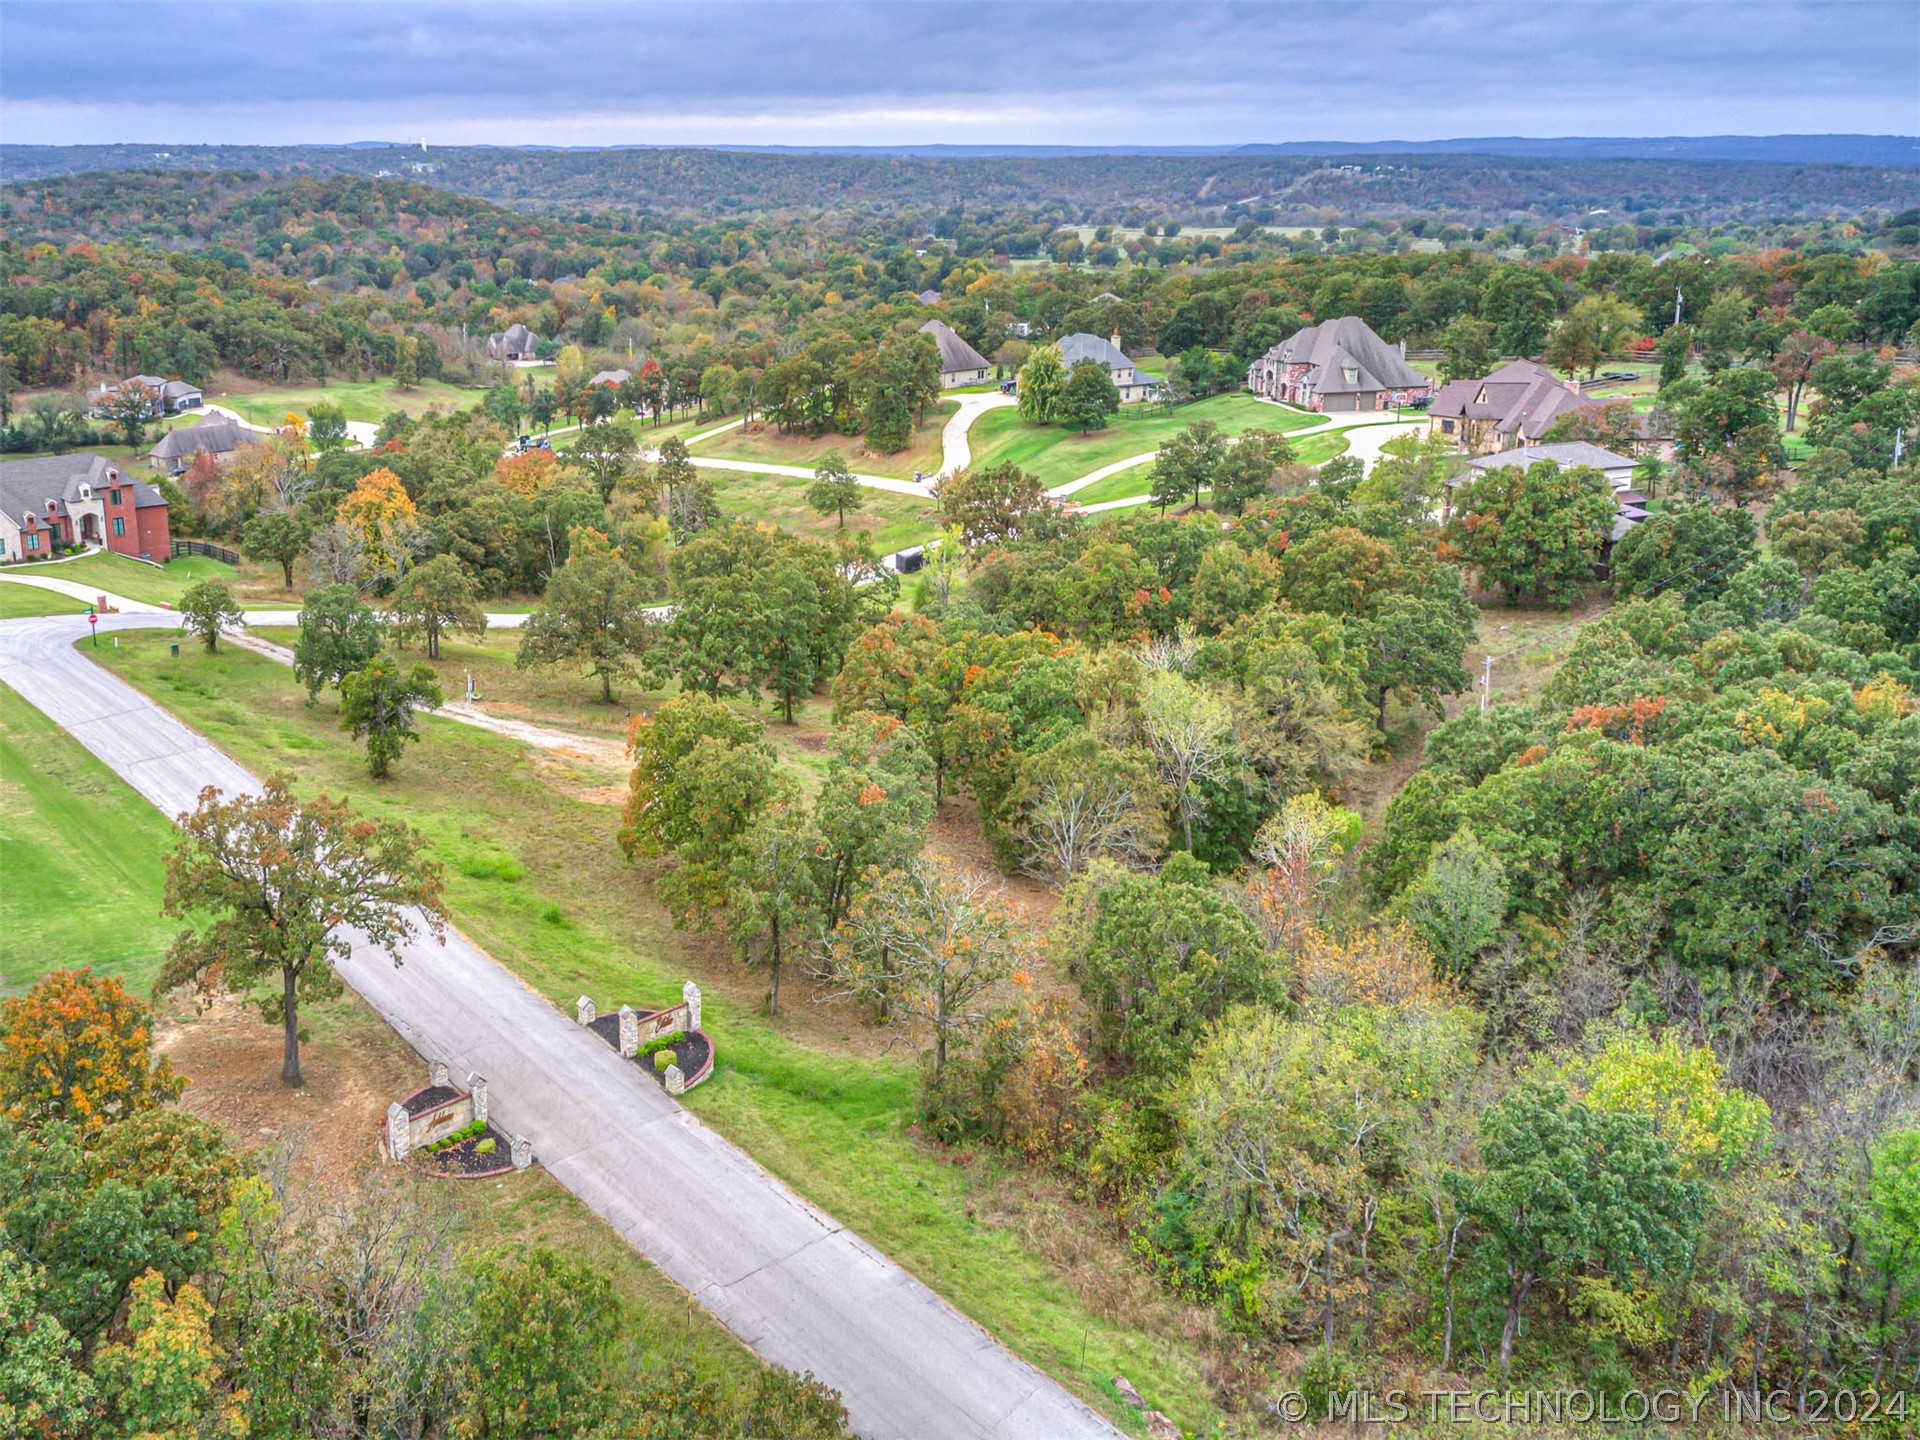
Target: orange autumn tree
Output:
{"points": [[527, 474], [383, 514], [77, 1047]]}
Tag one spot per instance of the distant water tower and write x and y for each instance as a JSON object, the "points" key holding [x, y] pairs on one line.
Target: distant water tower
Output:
{"points": [[423, 144]]}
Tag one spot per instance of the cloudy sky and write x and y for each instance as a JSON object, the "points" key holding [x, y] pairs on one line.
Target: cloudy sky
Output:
{"points": [[899, 72]]}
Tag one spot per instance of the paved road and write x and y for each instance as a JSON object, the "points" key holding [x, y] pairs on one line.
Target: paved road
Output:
{"points": [[788, 1280], [956, 451], [361, 432]]}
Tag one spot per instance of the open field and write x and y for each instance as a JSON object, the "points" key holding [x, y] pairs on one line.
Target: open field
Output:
{"points": [[19, 600], [369, 400], [534, 876], [136, 579], [894, 521], [1310, 450], [1058, 455], [763, 443]]}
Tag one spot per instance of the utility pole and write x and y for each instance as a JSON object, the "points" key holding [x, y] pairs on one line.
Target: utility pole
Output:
{"points": [[1678, 296], [1899, 443], [1486, 683]]}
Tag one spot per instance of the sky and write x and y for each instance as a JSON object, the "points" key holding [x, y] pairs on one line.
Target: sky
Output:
{"points": [[1092, 72]]}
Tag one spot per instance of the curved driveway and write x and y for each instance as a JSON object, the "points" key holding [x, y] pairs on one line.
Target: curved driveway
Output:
{"points": [[796, 1286]]}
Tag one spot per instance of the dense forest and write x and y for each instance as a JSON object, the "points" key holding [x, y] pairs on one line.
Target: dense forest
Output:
{"points": [[1102, 189]]}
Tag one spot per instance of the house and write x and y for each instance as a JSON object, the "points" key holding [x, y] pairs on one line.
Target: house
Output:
{"points": [[170, 396], [613, 379], [1576, 454], [79, 500], [214, 435], [1131, 384], [929, 297], [515, 343], [1340, 365], [960, 363], [1516, 406]]}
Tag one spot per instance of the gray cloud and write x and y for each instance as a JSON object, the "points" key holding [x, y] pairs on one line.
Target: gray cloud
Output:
{"points": [[1082, 73]]}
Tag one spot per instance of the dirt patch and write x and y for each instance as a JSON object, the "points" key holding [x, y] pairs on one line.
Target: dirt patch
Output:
{"points": [[353, 1068], [955, 836]]}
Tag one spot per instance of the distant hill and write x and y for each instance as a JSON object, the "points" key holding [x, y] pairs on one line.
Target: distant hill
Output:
{"points": [[1902, 151]]}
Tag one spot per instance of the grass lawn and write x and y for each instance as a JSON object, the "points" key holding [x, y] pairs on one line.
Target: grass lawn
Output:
{"points": [[650, 436], [768, 446], [1313, 450], [21, 600], [534, 876], [82, 856], [369, 400], [1058, 455], [894, 521], [136, 579]]}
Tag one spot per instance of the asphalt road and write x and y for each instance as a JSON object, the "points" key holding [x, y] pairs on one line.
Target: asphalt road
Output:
{"points": [[797, 1287]]}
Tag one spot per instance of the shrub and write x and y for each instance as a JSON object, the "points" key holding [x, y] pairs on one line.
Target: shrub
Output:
{"points": [[662, 1059], [485, 1147]]}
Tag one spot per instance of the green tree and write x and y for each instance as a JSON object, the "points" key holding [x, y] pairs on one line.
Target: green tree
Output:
{"points": [[1536, 532], [1186, 463], [280, 536], [278, 881], [208, 608], [433, 599], [1043, 379], [129, 408], [541, 409], [773, 896], [1412, 645], [406, 362], [1083, 800], [873, 807], [1247, 468], [339, 633], [541, 1332], [1468, 344], [1458, 904], [1189, 733], [785, 662], [605, 454], [1089, 397], [1693, 549], [834, 491], [1725, 426], [327, 428], [1519, 302], [380, 703], [594, 614], [1565, 1191], [44, 1391], [992, 503], [503, 405], [701, 776]]}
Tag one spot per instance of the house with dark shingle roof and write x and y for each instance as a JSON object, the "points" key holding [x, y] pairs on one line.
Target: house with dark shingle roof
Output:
{"points": [[960, 363], [213, 434], [1516, 406], [169, 397], [515, 343], [62, 500], [1131, 384], [1340, 365], [929, 297]]}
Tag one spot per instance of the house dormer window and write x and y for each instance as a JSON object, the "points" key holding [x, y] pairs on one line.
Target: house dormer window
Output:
{"points": [[1352, 373], [86, 492]]}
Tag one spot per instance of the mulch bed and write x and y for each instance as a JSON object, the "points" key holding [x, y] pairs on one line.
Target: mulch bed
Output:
{"points": [[692, 1053], [464, 1161], [428, 1098]]}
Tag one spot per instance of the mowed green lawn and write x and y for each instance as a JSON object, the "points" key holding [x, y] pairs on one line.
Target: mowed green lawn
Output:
{"points": [[135, 579], [768, 446], [82, 859], [1312, 450], [1057, 454], [894, 521], [535, 877], [369, 400], [17, 601]]}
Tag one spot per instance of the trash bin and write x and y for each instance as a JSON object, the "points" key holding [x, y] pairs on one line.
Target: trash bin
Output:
{"points": [[175, 648]]}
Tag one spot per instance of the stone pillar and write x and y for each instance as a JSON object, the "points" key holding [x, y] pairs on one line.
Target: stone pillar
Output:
{"points": [[398, 1125], [520, 1149], [584, 1008], [478, 1085], [676, 1082], [690, 993], [437, 1072], [629, 1033]]}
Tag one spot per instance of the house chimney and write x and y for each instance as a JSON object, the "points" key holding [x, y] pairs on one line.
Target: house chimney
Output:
{"points": [[1403, 349], [1116, 341]]}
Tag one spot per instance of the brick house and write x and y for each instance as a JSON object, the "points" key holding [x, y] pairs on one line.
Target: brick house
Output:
{"points": [[79, 500], [515, 343], [1336, 367], [1516, 406]]}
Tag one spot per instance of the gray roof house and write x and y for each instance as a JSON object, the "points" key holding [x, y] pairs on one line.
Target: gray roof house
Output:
{"points": [[929, 297], [1131, 384], [1339, 365], [960, 363], [615, 378], [77, 499], [1574, 454], [515, 343], [171, 396], [211, 434]]}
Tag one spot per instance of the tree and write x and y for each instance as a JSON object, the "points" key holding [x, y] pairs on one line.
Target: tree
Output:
{"points": [[1083, 800], [339, 633], [44, 1392], [1724, 426], [78, 1048], [379, 702], [605, 454], [280, 881], [1186, 463], [435, 598], [1566, 1189], [873, 807], [1189, 732], [594, 614], [1042, 379], [1519, 303], [1468, 344], [541, 409], [927, 944], [384, 516], [834, 491], [208, 608], [129, 408], [1089, 396], [281, 537], [992, 504], [502, 404], [1412, 645], [1793, 365], [701, 776], [1458, 904], [541, 1333], [1591, 331], [406, 362], [1535, 532], [773, 897], [165, 1380], [1692, 548], [783, 660], [327, 428]]}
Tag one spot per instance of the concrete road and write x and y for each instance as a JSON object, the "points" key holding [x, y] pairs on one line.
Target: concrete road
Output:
{"points": [[800, 1289], [956, 451]]}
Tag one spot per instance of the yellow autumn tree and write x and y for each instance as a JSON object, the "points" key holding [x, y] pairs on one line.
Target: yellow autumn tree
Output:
{"points": [[77, 1047], [384, 516]]}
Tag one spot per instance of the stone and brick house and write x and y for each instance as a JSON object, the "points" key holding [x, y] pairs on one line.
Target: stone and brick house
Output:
{"points": [[1337, 367], [1516, 406], [1131, 384], [515, 343], [79, 500], [960, 363], [214, 435]]}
